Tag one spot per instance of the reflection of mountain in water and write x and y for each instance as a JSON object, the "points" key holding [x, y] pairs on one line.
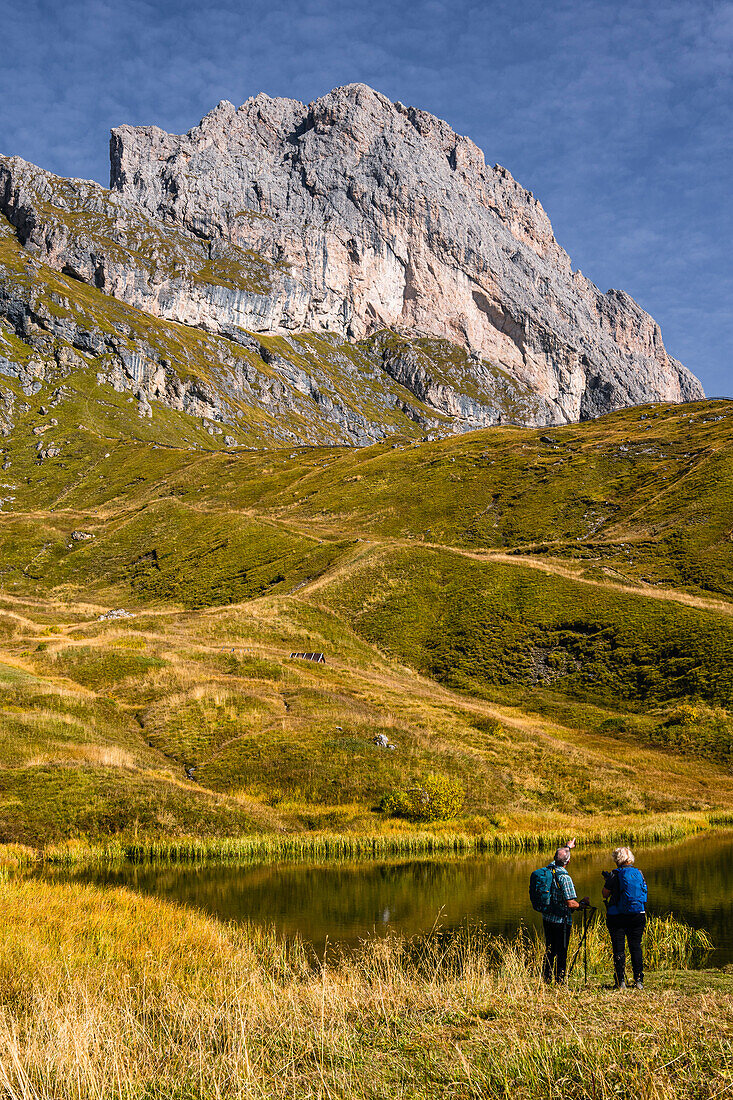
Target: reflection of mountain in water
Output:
{"points": [[343, 902]]}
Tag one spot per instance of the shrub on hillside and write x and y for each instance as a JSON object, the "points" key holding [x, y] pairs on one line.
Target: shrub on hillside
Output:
{"points": [[687, 714], [487, 724], [697, 729], [437, 798]]}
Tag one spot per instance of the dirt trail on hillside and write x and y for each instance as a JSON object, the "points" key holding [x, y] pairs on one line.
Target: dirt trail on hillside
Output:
{"points": [[319, 533], [364, 548], [551, 566]]}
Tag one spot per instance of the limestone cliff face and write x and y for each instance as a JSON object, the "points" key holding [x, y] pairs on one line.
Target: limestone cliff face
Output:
{"points": [[372, 215], [335, 272]]}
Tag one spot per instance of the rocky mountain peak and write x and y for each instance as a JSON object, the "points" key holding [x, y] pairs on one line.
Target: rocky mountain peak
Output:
{"points": [[385, 217], [410, 286]]}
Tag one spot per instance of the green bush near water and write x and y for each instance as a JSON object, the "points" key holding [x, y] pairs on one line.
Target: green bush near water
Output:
{"points": [[437, 798]]}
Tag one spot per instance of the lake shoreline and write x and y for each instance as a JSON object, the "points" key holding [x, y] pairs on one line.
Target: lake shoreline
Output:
{"points": [[321, 846]]}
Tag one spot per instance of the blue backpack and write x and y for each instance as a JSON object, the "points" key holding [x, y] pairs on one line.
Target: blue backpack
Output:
{"points": [[632, 890]]}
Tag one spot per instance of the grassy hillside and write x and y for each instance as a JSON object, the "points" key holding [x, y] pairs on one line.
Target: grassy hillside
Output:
{"points": [[472, 623], [539, 619], [642, 497], [102, 722]]}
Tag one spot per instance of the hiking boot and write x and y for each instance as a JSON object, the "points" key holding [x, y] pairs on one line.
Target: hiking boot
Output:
{"points": [[621, 984], [638, 983]]}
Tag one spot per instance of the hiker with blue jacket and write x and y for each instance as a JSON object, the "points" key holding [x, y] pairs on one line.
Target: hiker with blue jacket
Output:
{"points": [[625, 895], [552, 894]]}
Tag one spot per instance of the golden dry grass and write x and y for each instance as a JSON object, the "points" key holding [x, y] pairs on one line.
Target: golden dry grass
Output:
{"points": [[110, 995], [106, 756]]}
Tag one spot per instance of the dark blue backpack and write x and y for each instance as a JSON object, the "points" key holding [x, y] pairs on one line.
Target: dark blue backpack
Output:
{"points": [[632, 890]]}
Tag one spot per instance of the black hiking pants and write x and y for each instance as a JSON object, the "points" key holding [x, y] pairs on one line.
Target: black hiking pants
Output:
{"points": [[622, 927], [557, 940]]}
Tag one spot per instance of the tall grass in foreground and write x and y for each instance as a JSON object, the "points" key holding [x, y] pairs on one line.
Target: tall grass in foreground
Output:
{"points": [[110, 995], [263, 847], [669, 944]]}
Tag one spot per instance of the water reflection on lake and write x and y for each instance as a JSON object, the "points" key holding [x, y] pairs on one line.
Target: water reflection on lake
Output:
{"points": [[347, 901]]}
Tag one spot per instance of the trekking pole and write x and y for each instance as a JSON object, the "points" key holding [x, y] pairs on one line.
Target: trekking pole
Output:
{"points": [[583, 944]]}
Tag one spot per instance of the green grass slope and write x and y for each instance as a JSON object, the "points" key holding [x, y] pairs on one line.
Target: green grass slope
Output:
{"points": [[465, 609], [643, 497]]}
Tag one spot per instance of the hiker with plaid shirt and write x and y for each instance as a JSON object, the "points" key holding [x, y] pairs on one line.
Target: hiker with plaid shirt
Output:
{"points": [[557, 919]]}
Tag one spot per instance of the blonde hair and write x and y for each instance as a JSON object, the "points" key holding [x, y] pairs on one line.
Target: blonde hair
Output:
{"points": [[622, 857]]}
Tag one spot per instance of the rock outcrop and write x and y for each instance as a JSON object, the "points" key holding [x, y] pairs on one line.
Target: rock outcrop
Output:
{"points": [[298, 388], [333, 272], [388, 219], [89, 280]]}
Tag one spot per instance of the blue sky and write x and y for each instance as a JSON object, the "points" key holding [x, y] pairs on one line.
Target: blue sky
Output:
{"points": [[617, 114]]}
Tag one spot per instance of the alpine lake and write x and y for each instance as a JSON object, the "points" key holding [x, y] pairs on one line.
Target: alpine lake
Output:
{"points": [[341, 903]]}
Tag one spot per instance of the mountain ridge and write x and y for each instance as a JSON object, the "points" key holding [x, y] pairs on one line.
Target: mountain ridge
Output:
{"points": [[338, 271], [425, 236]]}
